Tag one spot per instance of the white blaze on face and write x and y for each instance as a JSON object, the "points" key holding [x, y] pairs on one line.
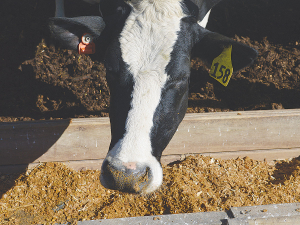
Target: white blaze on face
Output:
{"points": [[147, 41]]}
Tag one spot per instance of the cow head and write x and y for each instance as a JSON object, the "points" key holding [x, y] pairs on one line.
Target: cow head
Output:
{"points": [[147, 47]]}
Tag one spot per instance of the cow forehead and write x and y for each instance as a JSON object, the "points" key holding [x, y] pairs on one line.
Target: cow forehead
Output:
{"points": [[161, 6], [146, 43], [148, 38]]}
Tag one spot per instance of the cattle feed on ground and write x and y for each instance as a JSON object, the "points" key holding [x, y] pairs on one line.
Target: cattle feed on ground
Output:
{"points": [[147, 46]]}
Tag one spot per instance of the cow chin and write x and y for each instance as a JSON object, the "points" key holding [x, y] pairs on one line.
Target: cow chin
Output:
{"points": [[133, 177]]}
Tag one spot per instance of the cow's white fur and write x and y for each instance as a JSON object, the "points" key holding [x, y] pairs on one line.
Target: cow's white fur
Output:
{"points": [[147, 41]]}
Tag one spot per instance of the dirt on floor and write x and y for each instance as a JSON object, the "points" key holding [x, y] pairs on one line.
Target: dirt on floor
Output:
{"points": [[54, 193]]}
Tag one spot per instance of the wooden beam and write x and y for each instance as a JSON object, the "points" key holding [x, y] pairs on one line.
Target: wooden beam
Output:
{"points": [[235, 131], [85, 140], [95, 164]]}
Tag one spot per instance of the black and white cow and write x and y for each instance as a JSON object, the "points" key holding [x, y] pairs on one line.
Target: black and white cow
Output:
{"points": [[147, 47]]}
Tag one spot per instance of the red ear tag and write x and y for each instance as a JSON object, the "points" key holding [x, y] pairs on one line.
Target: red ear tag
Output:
{"points": [[86, 46]]}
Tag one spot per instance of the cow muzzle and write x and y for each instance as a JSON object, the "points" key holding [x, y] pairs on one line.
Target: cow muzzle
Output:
{"points": [[129, 177]]}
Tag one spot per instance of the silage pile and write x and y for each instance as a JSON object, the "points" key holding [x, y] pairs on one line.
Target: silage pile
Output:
{"points": [[53, 193]]}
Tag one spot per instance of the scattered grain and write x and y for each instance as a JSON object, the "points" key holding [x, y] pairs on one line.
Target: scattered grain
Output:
{"points": [[53, 193]]}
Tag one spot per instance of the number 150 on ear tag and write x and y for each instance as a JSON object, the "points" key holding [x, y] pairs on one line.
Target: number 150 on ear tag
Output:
{"points": [[221, 68]]}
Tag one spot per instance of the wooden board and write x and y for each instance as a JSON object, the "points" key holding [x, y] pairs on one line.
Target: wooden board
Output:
{"points": [[95, 164], [272, 134], [234, 131]]}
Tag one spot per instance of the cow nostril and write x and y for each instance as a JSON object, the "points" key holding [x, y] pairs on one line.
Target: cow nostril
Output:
{"points": [[142, 182]]}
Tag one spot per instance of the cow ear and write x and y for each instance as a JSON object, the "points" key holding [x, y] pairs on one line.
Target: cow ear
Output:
{"points": [[68, 31], [211, 45]]}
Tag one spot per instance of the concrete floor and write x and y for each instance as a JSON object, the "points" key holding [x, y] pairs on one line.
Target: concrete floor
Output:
{"points": [[276, 214]]}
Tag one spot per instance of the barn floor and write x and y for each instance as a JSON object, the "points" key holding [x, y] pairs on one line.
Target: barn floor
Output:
{"points": [[54, 193]]}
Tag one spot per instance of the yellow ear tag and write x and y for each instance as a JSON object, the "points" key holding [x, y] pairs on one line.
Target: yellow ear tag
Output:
{"points": [[221, 68]]}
